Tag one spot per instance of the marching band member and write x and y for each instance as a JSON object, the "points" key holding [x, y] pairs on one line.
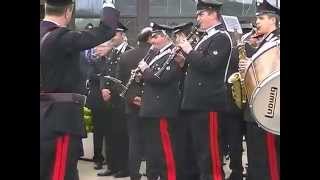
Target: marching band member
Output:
{"points": [[129, 61], [262, 146], [204, 92], [160, 103]]}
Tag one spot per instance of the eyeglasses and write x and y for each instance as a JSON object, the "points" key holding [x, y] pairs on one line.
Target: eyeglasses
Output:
{"points": [[155, 35], [200, 12]]}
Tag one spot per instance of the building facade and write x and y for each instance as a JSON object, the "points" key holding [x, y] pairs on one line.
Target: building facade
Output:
{"points": [[136, 14]]}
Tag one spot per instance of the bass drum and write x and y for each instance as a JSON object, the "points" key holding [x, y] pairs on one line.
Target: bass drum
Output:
{"points": [[265, 103], [262, 83]]}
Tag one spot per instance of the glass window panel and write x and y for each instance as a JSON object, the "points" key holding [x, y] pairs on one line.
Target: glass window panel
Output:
{"points": [[176, 8], [240, 8], [127, 7], [92, 8], [187, 8]]}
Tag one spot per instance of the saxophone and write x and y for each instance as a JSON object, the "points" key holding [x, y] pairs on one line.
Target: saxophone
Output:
{"points": [[238, 88]]}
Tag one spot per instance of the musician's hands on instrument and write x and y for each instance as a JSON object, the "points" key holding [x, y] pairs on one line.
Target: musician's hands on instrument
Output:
{"points": [[244, 64], [106, 94], [185, 45], [137, 101], [143, 66]]}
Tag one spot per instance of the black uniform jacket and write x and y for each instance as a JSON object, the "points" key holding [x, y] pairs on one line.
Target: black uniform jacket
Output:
{"points": [[95, 100], [111, 67], [204, 86], [161, 96], [128, 61], [59, 59]]}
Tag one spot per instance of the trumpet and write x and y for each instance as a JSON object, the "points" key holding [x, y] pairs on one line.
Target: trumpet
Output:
{"points": [[193, 38]]}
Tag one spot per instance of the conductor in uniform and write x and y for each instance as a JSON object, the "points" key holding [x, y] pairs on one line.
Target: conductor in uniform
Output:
{"points": [[204, 94], [129, 61], [117, 141], [61, 105], [263, 147]]}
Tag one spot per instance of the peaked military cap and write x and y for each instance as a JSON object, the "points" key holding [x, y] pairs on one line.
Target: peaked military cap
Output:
{"points": [[208, 4], [182, 27], [144, 34], [59, 2], [264, 7], [121, 27], [156, 28]]}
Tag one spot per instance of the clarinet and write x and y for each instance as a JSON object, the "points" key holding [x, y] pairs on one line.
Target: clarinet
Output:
{"points": [[133, 75]]}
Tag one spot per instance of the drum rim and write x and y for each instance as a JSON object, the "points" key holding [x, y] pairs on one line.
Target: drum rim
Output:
{"points": [[255, 59], [263, 82], [268, 129], [255, 91]]}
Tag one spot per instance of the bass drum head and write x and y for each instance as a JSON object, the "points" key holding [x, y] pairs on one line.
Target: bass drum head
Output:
{"points": [[265, 103]]}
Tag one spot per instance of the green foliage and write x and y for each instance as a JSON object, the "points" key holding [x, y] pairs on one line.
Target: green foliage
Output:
{"points": [[88, 119]]}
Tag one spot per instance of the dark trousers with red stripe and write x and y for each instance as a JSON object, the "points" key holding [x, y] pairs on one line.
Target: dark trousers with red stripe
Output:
{"points": [[205, 131], [263, 153], [59, 158], [159, 149]]}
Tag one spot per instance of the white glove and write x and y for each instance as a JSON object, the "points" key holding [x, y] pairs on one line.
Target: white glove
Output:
{"points": [[143, 66], [108, 3]]}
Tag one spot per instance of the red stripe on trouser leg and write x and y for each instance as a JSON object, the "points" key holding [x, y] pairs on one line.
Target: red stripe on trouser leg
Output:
{"points": [[167, 148], [64, 156], [214, 146], [60, 157], [272, 156], [56, 166]]}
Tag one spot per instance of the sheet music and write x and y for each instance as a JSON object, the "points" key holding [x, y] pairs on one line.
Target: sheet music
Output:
{"points": [[232, 23]]}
